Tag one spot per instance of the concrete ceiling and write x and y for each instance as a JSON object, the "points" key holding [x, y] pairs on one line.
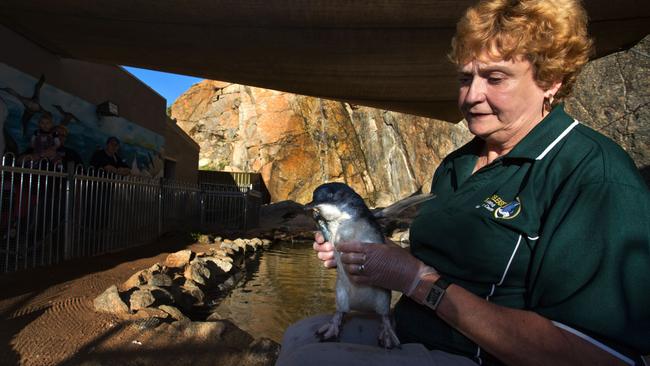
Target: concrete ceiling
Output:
{"points": [[383, 53]]}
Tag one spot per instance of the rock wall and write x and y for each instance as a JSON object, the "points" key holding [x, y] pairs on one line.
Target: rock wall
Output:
{"points": [[298, 142], [613, 97]]}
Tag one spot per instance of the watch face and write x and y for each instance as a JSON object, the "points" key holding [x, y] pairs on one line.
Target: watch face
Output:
{"points": [[434, 294], [434, 297]]}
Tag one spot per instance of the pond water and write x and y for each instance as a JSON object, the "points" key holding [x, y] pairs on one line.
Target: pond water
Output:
{"points": [[288, 283]]}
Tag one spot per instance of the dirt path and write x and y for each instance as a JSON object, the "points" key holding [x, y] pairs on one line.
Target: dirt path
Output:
{"points": [[47, 316]]}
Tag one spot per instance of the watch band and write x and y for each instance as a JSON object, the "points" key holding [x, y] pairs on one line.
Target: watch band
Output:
{"points": [[436, 293]]}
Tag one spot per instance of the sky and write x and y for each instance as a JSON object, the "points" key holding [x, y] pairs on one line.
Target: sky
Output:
{"points": [[170, 86]]}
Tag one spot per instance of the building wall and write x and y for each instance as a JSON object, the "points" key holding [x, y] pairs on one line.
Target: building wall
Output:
{"points": [[180, 148], [97, 83]]}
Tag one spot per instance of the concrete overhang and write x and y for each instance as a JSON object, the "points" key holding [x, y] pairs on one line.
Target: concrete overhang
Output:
{"points": [[389, 54]]}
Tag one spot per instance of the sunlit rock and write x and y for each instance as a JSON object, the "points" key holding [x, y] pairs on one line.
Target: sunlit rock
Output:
{"points": [[178, 259], [110, 302]]}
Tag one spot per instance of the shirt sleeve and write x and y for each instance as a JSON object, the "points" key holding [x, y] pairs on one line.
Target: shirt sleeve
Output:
{"points": [[591, 267], [120, 162]]}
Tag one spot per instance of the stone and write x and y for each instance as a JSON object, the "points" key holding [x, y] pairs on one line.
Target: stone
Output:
{"points": [[193, 290], [186, 300], [143, 277], [204, 272], [160, 280], [224, 264], [205, 330], [147, 295], [141, 299], [261, 351], [232, 249], [197, 272], [240, 243], [213, 317], [179, 259], [135, 280], [146, 313], [231, 282], [110, 302], [223, 254], [173, 312], [156, 268]]}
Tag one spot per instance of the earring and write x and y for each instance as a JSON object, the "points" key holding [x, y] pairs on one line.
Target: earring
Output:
{"points": [[547, 103]]}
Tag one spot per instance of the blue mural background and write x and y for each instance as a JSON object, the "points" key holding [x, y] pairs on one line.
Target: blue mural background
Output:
{"points": [[87, 132]]}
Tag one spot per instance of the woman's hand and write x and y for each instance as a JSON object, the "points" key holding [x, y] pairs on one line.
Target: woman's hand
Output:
{"points": [[382, 265], [325, 250]]}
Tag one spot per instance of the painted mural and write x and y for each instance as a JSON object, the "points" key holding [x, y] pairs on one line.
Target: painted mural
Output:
{"points": [[25, 104]]}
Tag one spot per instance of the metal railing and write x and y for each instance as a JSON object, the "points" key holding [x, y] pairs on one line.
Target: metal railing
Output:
{"points": [[242, 179], [49, 214]]}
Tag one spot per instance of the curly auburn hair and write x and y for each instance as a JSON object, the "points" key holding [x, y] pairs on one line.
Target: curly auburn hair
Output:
{"points": [[551, 34]]}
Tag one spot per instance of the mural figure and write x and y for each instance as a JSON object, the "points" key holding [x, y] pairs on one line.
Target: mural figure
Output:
{"points": [[32, 105], [67, 116], [65, 154], [75, 133], [154, 166], [45, 141], [7, 143]]}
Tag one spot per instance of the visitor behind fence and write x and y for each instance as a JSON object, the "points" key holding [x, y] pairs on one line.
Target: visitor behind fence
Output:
{"points": [[537, 243], [109, 159]]}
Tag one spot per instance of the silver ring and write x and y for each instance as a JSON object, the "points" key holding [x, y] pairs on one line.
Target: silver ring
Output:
{"points": [[361, 268]]}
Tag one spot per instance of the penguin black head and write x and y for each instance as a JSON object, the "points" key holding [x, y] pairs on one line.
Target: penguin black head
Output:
{"points": [[335, 201]]}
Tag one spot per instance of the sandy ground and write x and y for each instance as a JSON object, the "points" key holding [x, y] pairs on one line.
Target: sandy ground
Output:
{"points": [[47, 317]]}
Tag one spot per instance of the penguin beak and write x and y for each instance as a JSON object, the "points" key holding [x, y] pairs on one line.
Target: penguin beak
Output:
{"points": [[310, 206]]}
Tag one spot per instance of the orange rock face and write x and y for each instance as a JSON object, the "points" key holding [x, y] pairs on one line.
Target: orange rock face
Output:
{"points": [[298, 142]]}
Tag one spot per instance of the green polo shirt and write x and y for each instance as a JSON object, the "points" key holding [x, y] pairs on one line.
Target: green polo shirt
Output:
{"points": [[560, 226]]}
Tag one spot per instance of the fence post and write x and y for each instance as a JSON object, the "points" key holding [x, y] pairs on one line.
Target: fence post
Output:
{"points": [[67, 226], [160, 207], [202, 210], [246, 197]]}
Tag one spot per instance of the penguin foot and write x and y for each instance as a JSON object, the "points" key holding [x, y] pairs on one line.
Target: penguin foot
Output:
{"points": [[387, 337], [330, 330]]}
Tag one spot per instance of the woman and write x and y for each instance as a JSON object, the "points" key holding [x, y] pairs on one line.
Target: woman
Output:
{"points": [[536, 248]]}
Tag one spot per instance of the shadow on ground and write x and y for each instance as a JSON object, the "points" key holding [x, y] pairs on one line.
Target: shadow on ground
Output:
{"points": [[20, 288]]}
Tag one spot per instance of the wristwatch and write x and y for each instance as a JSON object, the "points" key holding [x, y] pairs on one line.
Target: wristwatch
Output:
{"points": [[435, 295]]}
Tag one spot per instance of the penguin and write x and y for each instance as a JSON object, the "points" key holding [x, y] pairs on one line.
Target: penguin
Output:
{"points": [[342, 215]]}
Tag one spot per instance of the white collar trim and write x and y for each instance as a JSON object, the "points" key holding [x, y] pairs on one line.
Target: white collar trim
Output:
{"points": [[557, 140]]}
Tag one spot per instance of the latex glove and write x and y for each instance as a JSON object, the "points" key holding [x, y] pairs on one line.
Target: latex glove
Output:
{"points": [[325, 250], [384, 265]]}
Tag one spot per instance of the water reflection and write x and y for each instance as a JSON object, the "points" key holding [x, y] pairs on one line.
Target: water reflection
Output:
{"points": [[289, 284]]}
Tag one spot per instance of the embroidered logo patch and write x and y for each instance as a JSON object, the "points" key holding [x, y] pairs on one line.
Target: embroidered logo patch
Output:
{"points": [[500, 208], [509, 211]]}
